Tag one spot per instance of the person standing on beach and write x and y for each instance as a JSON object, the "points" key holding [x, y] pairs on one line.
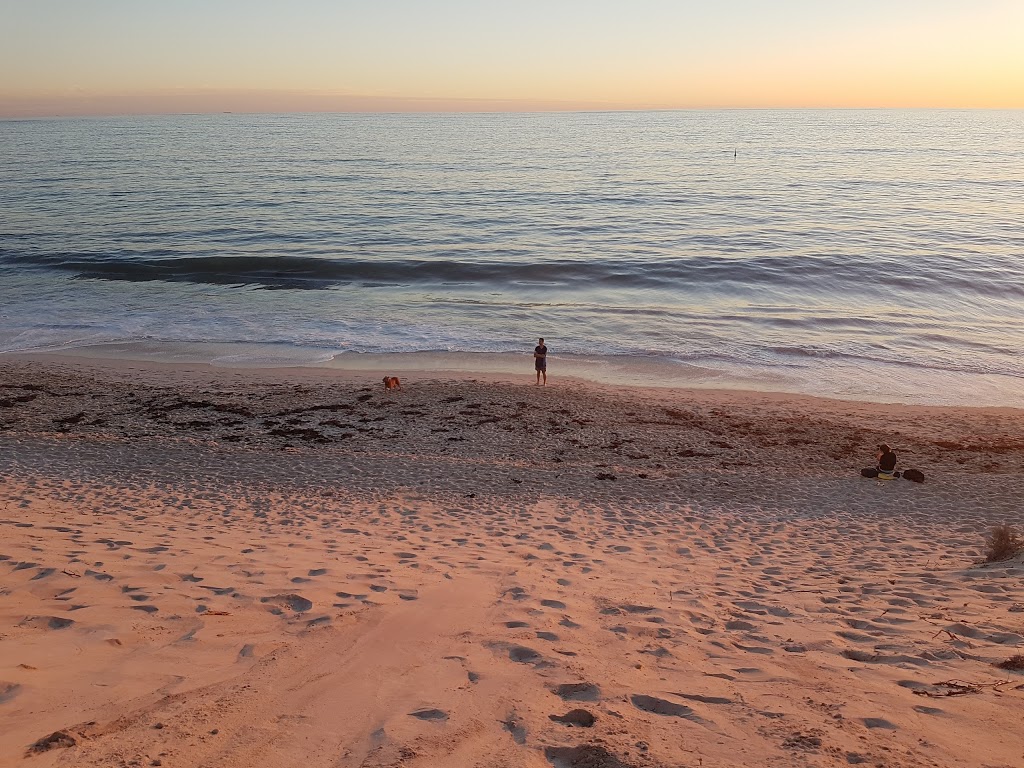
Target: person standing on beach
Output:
{"points": [[540, 361]]}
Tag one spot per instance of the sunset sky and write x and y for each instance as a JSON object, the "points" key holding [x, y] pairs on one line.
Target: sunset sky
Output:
{"points": [[66, 57]]}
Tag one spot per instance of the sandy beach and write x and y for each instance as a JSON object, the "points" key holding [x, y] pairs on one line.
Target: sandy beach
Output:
{"points": [[227, 567]]}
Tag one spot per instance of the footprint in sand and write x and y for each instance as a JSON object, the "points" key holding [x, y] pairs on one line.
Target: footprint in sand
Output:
{"points": [[739, 625], [351, 596], [585, 756], [639, 609], [513, 725], [754, 649], [578, 718], [523, 655], [46, 622], [297, 603], [658, 706], [429, 714], [703, 699], [578, 691], [8, 691]]}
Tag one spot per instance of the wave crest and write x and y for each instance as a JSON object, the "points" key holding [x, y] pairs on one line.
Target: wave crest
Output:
{"points": [[827, 272]]}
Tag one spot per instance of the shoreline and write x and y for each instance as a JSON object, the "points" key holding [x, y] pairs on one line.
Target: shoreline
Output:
{"points": [[903, 384], [368, 368]]}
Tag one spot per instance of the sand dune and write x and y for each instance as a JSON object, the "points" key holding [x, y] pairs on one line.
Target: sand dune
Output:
{"points": [[297, 569]]}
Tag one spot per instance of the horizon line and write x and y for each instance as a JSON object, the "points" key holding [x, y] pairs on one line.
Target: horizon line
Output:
{"points": [[24, 104], [552, 111]]}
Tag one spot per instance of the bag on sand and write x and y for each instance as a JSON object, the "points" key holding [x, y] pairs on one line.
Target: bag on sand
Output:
{"points": [[875, 472], [914, 474]]}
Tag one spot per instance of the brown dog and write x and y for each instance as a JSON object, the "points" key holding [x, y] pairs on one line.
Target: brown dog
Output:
{"points": [[392, 382]]}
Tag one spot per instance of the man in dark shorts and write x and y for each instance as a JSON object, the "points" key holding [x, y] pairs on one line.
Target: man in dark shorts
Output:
{"points": [[540, 361]]}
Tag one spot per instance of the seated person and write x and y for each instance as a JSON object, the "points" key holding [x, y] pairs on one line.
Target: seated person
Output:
{"points": [[886, 467]]}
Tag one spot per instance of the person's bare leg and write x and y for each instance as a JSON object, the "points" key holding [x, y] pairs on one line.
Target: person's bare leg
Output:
{"points": [[545, 373], [538, 378]]}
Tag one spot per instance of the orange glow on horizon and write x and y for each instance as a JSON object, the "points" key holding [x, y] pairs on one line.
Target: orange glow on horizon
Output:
{"points": [[662, 54]]}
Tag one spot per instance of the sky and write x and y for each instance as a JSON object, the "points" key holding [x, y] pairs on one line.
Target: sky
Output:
{"points": [[94, 57]]}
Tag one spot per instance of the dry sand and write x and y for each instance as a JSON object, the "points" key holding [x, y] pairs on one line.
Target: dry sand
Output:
{"points": [[295, 568]]}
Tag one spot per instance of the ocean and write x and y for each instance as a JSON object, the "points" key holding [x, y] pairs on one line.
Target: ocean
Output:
{"points": [[875, 255]]}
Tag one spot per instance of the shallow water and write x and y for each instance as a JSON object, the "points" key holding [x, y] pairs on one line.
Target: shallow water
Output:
{"points": [[870, 254]]}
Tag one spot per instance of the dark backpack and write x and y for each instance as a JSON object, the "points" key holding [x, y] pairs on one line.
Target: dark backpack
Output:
{"points": [[915, 475]]}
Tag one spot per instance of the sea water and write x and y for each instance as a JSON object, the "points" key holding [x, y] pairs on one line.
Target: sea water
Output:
{"points": [[865, 254]]}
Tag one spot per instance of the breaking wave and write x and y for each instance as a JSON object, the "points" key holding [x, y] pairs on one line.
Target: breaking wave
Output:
{"points": [[803, 273]]}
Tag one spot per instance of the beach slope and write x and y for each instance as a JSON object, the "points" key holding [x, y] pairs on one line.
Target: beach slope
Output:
{"points": [[297, 568]]}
